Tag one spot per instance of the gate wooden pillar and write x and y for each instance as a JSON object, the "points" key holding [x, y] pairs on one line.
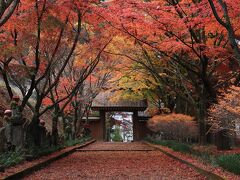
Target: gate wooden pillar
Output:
{"points": [[136, 127], [103, 125]]}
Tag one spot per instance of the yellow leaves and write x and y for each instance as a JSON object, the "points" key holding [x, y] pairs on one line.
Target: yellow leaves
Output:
{"points": [[136, 82], [120, 44], [83, 55], [8, 49], [133, 86]]}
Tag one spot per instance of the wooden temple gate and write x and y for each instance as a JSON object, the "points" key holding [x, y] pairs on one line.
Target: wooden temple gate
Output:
{"points": [[103, 104]]}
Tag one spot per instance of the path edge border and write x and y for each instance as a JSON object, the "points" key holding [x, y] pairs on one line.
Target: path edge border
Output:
{"points": [[208, 174], [29, 170]]}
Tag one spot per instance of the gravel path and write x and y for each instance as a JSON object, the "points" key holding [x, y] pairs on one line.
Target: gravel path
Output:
{"points": [[136, 164]]}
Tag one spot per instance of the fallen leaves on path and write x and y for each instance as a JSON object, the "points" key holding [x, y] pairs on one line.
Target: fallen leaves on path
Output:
{"points": [[117, 165]]}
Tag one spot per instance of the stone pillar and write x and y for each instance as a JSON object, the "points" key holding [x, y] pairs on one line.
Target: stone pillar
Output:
{"points": [[136, 127], [17, 134], [102, 128], [3, 140]]}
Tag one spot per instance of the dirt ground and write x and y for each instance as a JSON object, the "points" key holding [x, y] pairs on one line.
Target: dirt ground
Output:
{"points": [[120, 161]]}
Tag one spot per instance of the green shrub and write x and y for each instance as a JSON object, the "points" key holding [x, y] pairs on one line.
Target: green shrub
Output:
{"points": [[38, 152], [230, 162], [76, 141], [11, 158], [181, 147], [176, 146], [205, 157]]}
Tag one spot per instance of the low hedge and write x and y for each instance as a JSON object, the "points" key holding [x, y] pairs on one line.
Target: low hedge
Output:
{"points": [[230, 162], [12, 158], [36, 152], [176, 146]]}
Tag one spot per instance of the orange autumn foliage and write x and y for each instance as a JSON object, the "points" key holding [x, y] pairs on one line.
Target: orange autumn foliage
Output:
{"points": [[174, 126]]}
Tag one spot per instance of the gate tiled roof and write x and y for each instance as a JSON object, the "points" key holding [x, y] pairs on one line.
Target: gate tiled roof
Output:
{"points": [[103, 102]]}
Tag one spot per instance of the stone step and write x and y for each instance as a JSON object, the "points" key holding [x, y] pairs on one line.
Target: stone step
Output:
{"points": [[113, 150]]}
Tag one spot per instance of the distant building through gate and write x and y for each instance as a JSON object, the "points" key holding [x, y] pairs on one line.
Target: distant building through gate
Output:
{"points": [[103, 104]]}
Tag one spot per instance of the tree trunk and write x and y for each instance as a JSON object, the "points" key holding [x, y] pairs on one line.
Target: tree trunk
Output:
{"points": [[35, 130], [7, 84], [75, 120], [201, 114], [55, 125], [55, 130]]}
